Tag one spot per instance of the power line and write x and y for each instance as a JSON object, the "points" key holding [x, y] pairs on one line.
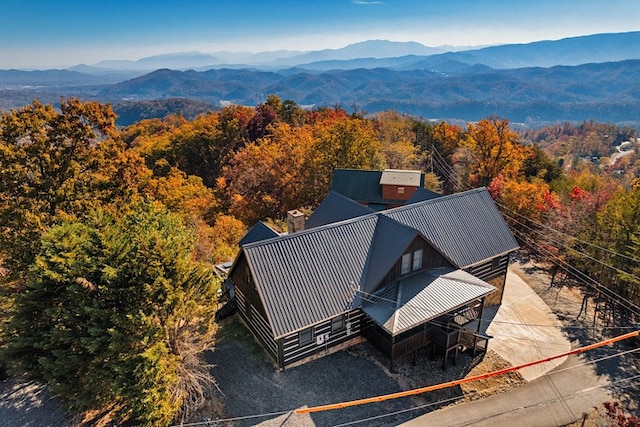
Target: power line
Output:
{"points": [[440, 386], [573, 249], [570, 236], [589, 281], [455, 398]]}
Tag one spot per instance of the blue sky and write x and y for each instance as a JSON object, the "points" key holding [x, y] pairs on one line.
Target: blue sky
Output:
{"points": [[55, 33]]}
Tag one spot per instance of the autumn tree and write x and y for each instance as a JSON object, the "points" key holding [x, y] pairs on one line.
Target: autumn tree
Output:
{"points": [[266, 178], [397, 141], [115, 315], [492, 149], [443, 143], [339, 142], [618, 229], [57, 164]]}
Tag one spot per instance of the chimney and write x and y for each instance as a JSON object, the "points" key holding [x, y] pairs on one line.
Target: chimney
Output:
{"points": [[295, 221]]}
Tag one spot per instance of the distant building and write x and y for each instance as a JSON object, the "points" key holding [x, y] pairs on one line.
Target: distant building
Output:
{"points": [[379, 189], [405, 278]]}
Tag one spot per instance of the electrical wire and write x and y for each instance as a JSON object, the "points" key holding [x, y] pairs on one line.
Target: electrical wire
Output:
{"points": [[589, 281], [471, 394], [570, 236], [561, 244]]}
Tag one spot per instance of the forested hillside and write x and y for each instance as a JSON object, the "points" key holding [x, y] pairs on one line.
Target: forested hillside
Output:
{"points": [[108, 234]]}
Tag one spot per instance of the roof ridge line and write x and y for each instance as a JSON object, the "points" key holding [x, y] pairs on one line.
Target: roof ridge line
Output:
{"points": [[314, 229], [432, 201]]}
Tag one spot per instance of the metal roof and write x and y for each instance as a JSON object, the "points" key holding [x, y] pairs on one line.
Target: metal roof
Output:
{"points": [[465, 227], [260, 231], [401, 177], [390, 241], [358, 185], [313, 275], [422, 297], [334, 208], [422, 194]]}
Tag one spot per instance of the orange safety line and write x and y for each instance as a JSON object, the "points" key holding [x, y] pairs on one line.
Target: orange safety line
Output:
{"points": [[460, 381]]}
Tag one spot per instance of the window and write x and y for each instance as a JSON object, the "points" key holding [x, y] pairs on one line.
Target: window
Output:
{"points": [[337, 324], [406, 264], [305, 336], [417, 260], [400, 190], [495, 263]]}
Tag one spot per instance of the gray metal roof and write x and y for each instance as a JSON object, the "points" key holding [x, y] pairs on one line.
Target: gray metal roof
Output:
{"points": [[313, 275], [422, 297], [334, 208], [422, 194], [465, 227], [358, 185], [390, 241]]}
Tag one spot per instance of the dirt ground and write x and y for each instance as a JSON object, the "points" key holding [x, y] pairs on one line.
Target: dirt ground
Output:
{"points": [[251, 385]]}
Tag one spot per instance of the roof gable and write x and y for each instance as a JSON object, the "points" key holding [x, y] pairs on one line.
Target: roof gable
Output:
{"points": [[334, 208], [260, 231], [389, 242], [466, 228]]}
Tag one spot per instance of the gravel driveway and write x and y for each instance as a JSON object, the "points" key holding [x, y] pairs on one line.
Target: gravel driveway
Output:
{"points": [[27, 404], [252, 385]]}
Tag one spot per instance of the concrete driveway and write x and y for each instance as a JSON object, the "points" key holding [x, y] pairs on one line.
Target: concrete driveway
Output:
{"points": [[558, 392]]}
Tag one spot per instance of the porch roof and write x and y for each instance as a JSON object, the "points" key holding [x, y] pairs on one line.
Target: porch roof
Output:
{"points": [[421, 297]]}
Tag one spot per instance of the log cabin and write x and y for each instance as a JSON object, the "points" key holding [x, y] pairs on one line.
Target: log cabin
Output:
{"points": [[409, 277]]}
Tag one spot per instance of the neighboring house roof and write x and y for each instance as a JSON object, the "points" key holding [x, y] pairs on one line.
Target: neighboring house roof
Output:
{"points": [[334, 208], [421, 297], [466, 227], [358, 185], [401, 177], [365, 186], [422, 194], [260, 231], [313, 275]]}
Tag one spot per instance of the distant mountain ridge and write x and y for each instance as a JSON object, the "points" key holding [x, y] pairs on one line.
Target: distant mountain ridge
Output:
{"points": [[467, 85]]}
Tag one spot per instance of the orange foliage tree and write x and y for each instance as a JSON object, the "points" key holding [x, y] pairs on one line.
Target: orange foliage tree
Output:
{"points": [[492, 149]]}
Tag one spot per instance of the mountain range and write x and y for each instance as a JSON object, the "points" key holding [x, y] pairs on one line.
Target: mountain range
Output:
{"points": [[590, 77]]}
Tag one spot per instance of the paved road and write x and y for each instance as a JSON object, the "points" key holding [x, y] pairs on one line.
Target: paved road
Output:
{"points": [[556, 399]]}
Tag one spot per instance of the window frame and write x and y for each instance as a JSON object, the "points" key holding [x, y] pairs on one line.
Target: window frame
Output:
{"points": [[405, 266], [417, 265], [310, 331], [340, 319]]}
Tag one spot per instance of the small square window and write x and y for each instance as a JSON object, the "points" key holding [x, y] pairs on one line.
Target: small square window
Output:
{"points": [[400, 190], [406, 264], [495, 263], [337, 324], [305, 336]]}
